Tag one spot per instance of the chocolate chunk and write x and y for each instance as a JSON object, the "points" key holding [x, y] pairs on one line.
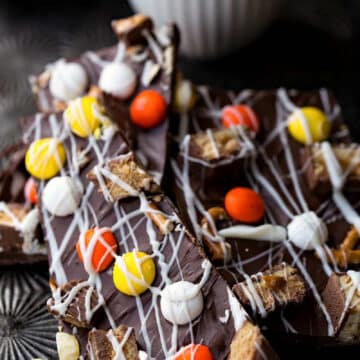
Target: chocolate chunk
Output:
{"points": [[342, 300], [119, 343], [121, 177], [348, 156], [273, 289], [250, 344], [75, 303], [131, 29], [20, 235]]}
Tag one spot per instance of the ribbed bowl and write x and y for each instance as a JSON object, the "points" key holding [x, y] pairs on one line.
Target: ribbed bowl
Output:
{"points": [[211, 28], [27, 331]]}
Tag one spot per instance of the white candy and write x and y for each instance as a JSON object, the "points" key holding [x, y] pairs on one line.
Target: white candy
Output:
{"points": [[307, 231], [181, 302], [62, 196], [68, 81], [143, 355], [118, 79]]}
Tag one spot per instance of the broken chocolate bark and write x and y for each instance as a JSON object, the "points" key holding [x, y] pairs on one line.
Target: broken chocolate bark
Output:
{"points": [[151, 53], [277, 171], [271, 290], [144, 223]]}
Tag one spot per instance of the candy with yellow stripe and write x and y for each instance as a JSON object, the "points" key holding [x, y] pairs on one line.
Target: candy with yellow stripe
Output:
{"points": [[133, 273], [316, 121], [45, 158], [82, 116]]}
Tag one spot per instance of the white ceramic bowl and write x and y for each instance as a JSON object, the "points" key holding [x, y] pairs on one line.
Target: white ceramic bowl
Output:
{"points": [[211, 28]]}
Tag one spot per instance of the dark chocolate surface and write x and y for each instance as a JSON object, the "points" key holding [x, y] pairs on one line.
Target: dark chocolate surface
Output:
{"points": [[249, 256], [135, 230], [151, 145]]}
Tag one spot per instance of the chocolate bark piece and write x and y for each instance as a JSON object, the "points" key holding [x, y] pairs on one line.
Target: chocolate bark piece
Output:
{"points": [[277, 171], [348, 156], [214, 159], [112, 344], [156, 47], [122, 177], [20, 235], [75, 303], [342, 298], [272, 290], [250, 344], [174, 252]]}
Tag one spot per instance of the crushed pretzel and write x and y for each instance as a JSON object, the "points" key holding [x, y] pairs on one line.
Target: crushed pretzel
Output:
{"points": [[219, 250], [164, 224], [130, 29], [347, 254]]}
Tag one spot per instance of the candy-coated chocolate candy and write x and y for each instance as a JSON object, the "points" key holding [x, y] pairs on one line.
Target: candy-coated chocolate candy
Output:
{"points": [[45, 158], [68, 80], [96, 248], [82, 117], [308, 125], [184, 95], [244, 204], [30, 191], [194, 352], [62, 195], [148, 109], [134, 272], [233, 115], [118, 79], [181, 302]]}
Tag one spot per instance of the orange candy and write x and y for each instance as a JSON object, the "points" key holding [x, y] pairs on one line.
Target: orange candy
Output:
{"points": [[194, 352], [30, 191], [103, 249], [148, 109], [244, 204], [240, 115]]}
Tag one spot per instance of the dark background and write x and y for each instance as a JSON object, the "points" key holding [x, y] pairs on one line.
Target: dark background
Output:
{"points": [[320, 50]]}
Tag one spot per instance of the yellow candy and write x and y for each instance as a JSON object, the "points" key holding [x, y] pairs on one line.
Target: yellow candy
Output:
{"points": [[45, 158], [82, 118], [317, 122], [184, 96], [133, 273]]}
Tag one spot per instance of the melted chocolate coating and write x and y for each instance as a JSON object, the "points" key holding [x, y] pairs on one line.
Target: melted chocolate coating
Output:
{"points": [[272, 144], [153, 332], [150, 145]]}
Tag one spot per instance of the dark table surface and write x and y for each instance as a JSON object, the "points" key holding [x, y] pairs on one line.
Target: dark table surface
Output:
{"points": [[289, 53]]}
